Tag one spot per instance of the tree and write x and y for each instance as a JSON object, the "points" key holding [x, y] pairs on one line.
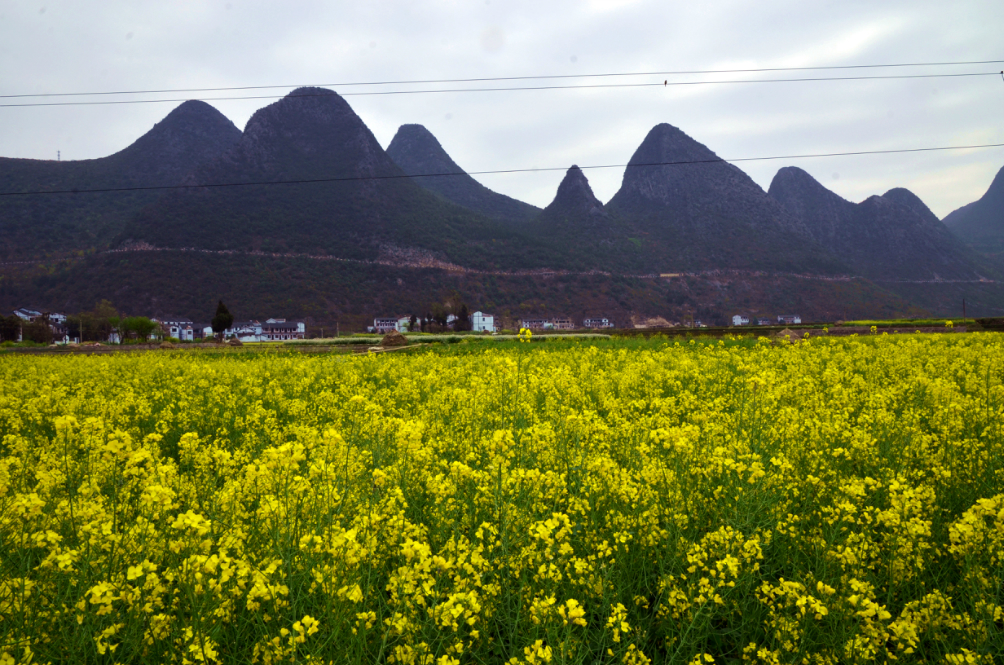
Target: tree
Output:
{"points": [[412, 323], [37, 331], [223, 320], [97, 325], [463, 321], [74, 328], [138, 326], [10, 328], [439, 315]]}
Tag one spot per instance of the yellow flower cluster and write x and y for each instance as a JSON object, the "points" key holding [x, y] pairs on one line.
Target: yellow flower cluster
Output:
{"points": [[824, 501]]}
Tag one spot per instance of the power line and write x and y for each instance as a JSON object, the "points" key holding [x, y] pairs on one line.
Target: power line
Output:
{"points": [[486, 79], [514, 89], [498, 171]]}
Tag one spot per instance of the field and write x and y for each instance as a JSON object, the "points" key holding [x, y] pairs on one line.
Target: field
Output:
{"points": [[581, 501]]}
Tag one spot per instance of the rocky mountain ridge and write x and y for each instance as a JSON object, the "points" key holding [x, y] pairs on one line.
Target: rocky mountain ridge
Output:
{"points": [[419, 154], [888, 237]]}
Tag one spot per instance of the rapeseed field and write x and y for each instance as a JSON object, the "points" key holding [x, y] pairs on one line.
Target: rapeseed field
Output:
{"points": [[828, 501]]}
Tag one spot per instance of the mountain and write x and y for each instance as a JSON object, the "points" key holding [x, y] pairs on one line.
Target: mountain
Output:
{"points": [[418, 153], [577, 223], [690, 210], [344, 198], [889, 237], [575, 202], [34, 226], [980, 224]]}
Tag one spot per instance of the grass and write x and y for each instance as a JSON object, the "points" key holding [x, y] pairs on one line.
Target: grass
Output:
{"points": [[891, 323]]}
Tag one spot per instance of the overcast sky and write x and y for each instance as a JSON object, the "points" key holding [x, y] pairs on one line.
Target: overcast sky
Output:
{"points": [[57, 47]]}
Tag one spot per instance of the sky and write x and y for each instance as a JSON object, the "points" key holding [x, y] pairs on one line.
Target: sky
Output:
{"points": [[70, 47]]}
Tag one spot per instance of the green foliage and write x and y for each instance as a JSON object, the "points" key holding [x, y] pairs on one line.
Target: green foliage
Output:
{"points": [[96, 325], [136, 328], [37, 331], [223, 319], [10, 328], [889, 323]]}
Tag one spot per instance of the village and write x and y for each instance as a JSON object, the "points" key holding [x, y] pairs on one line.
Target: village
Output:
{"points": [[782, 319], [57, 328], [41, 326], [478, 322]]}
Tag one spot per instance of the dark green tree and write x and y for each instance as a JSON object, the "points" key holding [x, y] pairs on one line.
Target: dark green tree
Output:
{"points": [[102, 322], [223, 319], [137, 327], [73, 327], [10, 328], [37, 331], [439, 316], [463, 321]]}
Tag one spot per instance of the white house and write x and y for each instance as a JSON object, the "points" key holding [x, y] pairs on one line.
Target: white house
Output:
{"points": [[537, 324], [26, 314], [740, 320], [245, 331], [181, 330], [481, 322], [281, 329], [788, 318], [55, 321], [597, 323], [384, 324], [403, 323]]}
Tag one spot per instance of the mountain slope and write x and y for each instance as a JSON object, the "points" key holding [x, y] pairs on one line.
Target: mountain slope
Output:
{"points": [[418, 153], [980, 224], [691, 210], [577, 223], [889, 237], [38, 225], [189, 284], [358, 204]]}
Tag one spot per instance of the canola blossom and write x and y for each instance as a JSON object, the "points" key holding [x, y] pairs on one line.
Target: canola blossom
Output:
{"points": [[811, 501]]}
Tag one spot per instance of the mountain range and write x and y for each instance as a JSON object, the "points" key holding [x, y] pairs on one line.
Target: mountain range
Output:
{"points": [[893, 236], [306, 181]]}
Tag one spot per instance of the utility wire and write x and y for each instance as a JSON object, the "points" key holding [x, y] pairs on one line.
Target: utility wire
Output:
{"points": [[499, 171], [513, 78], [513, 89]]}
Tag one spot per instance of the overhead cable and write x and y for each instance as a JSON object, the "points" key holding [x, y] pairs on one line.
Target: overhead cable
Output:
{"points": [[485, 79], [512, 89]]}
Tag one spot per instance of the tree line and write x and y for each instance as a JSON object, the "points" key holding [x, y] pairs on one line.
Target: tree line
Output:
{"points": [[97, 325], [436, 317]]}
